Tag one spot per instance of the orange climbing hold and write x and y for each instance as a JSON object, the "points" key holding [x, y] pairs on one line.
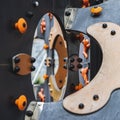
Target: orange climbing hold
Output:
{"points": [[42, 25], [86, 44], [21, 25], [78, 87], [41, 95], [86, 3], [50, 15], [21, 102], [96, 10], [80, 36], [45, 76], [45, 46], [84, 72]]}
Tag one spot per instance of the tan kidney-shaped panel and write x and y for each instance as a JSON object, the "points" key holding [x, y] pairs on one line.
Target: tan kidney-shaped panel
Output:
{"points": [[97, 93]]}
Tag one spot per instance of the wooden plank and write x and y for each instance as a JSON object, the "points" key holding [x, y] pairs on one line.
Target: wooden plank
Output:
{"points": [[23, 62], [61, 50]]}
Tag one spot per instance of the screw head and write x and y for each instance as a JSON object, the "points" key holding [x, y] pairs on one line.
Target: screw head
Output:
{"points": [[29, 113], [113, 32], [65, 66], [32, 60], [72, 60], [32, 68], [79, 66], [71, 66], [17, 69], [95, 97], [36, 3], [65, 59], [81, 106], [67, 13], [79, 60], [104, 25], [17, 60]]}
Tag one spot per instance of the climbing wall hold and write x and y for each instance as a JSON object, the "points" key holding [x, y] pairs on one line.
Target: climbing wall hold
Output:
{"points": [[96, 10], [78, 87], [86, 44], [85, 3], [21, 102], [21, 25], [84, 72], [43, 25], [41, 95], [45, 76], [45, 46]]}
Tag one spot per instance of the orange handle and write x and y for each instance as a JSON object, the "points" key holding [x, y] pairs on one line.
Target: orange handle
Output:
{"points": [[21, 102], [21, 25]]}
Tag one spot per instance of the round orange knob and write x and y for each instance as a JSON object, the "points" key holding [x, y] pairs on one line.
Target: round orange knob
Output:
{"points": [[96, 10], [78, 87], [45, 76], [21, 102], [45, 46], [21, 25]]}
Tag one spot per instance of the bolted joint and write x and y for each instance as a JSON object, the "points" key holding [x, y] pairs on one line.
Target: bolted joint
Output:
{"points": [[17, 60]]}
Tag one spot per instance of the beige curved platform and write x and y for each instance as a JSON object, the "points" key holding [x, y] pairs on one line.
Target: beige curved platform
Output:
{"points": [[97, 93], [57, 82]]}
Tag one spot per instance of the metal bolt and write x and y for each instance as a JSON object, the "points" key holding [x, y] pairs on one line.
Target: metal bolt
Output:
{"points": [[72, 60], [113, 32], [32, 60], [17, 60], [81, 106], [36, 3], [104, 25], [79, 66], [65, 66], [32, 68], [67, 13], [17, 69], [79, 60], [71, 66], [29, 113], [95, 97]]}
